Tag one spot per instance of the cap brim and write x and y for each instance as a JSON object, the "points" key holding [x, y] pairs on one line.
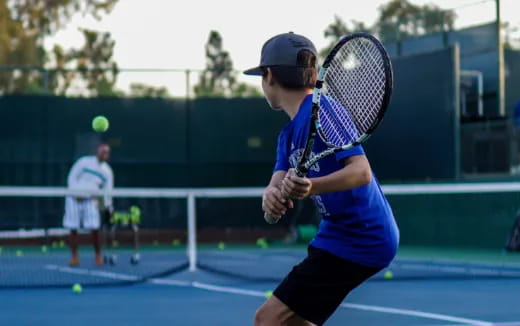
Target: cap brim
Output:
{"points": [[257, 71]]}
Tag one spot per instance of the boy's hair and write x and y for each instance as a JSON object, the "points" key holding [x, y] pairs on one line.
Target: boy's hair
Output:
{"points": [[301, 76]]}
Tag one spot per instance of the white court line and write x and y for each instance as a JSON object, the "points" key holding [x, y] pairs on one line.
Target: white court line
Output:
{"points": [[406, 312], [233, 290], [417, 313]]}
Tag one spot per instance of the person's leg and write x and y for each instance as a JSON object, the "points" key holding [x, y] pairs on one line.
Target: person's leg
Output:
{"points": [[96, 242], [71, 220], [73, 244], [274, 312], [92, 221]]}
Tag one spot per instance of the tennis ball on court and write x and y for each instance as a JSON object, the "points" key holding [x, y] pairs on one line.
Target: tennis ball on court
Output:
{"points": [[268, 294], [19, 253], [262, 243], [44, 248], [388, 275], [221, 245], [62, 244], [100, 124], [76, 288]]}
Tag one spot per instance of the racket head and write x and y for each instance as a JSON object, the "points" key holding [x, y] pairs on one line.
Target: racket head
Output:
{"points": [[353, 91]]}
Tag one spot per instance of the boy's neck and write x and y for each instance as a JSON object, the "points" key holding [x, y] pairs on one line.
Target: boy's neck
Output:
{"points": [[292, 100]]}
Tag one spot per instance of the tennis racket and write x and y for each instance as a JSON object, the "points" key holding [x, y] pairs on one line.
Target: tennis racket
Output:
{"points": [[351, 95]]}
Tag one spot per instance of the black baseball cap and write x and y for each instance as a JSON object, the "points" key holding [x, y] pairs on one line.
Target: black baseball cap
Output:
{"points": [[282, 50]]}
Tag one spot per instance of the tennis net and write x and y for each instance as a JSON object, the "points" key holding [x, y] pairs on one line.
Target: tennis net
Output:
{"points": [[447, 231]]}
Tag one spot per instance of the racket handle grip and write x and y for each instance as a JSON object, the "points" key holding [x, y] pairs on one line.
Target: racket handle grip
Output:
{"points": [[271, 219]]}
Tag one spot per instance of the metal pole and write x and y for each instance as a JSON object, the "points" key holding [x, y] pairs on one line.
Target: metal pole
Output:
{"points": [[192, 232], [501, 74]]}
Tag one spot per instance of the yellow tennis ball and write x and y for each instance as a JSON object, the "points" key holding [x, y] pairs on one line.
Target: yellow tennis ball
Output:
{"points": [[388, 275], [221, 245], [100, 124], [44, 248], [268, 294], [76, 288], [19, 253]]}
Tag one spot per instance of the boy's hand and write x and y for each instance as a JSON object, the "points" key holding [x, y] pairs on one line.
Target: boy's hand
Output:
{"points": [[295, 187], [273, 203]]}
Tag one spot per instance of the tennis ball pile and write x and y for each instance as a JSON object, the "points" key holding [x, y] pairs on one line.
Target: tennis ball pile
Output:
{"points": [[76, 288], [100, 124]]}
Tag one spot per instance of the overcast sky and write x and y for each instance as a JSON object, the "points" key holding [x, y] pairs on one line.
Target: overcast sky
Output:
{"points": [[172, 34]]}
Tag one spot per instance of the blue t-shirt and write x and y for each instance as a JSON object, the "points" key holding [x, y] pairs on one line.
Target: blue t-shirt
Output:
{"points": [[357, 224]]}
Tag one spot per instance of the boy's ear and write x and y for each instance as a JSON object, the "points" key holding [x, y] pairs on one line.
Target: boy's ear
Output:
{"points": [[269, 77]]}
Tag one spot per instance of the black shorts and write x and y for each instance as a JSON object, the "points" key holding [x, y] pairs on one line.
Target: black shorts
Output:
{"points": [[316, 287]]}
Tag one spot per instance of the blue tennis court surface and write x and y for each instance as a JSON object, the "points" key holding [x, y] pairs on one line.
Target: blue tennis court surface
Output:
{"points": [[203, 298]]}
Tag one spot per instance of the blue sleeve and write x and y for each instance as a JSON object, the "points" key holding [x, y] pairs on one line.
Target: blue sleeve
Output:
{"points": [[357, 150], [282, 157]]}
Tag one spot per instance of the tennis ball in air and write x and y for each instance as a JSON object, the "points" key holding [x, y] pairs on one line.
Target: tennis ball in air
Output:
{"points": [[221, 245], [76, 288], [19, 253], [268, 294], [388, 275], [100, 124]]}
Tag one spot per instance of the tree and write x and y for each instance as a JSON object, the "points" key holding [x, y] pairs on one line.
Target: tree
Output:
{"points": [[399, 19], [142, 90], [339, 28], [23, 26], [218, 78]]}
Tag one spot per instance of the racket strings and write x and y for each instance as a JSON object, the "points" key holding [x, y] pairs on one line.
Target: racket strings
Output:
{"points": [[354, 89]]}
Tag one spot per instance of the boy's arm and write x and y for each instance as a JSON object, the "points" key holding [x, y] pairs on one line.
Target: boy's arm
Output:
{"points": [[355, 173]]}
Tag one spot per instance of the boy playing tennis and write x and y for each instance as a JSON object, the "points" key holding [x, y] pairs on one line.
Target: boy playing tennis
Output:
{"points": [[357, 236]]}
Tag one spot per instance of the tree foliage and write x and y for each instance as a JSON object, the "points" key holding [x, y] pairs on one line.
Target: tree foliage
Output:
{"points": [[92, 63], [23, 26], [142, 90], [400, 19], [218, 78], [339, 28]]}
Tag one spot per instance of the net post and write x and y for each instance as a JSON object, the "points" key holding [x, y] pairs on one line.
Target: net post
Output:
{"points": [[192, 232]]}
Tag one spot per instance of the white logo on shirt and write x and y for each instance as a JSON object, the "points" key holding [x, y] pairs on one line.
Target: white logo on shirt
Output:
{"points": [[295, 156]]}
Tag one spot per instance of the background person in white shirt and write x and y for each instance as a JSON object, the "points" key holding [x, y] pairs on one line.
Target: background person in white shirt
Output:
{"points": [[88, 173]]}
